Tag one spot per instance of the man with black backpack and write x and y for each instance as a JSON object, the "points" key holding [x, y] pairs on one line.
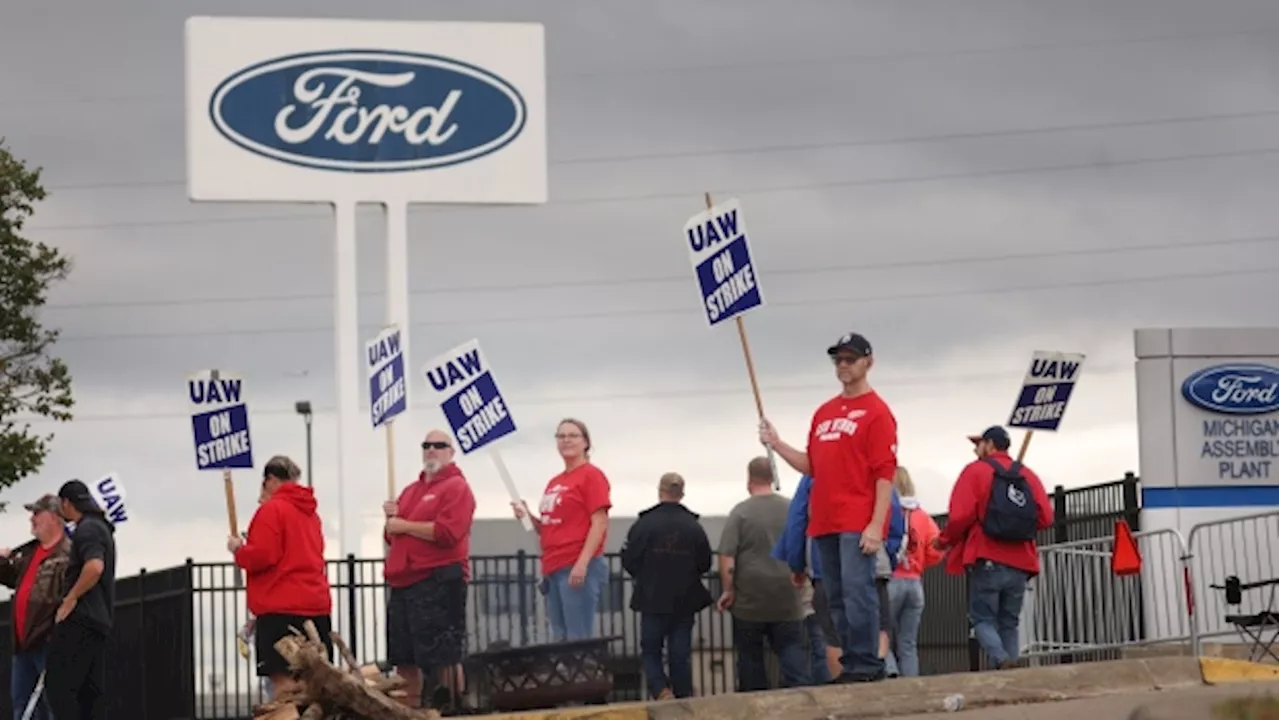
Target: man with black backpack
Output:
{"points": [[997, 506]]}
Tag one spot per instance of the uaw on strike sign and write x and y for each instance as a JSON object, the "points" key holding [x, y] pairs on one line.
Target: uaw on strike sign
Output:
{"points": [[717, 240], [219, 421], [469, 397], [384, 361], [1045, 391]]}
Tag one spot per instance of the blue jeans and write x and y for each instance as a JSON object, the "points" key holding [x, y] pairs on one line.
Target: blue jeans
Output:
{"points": [[27, 667], [906, 607], [572, 611], [786, 639], [818, 671], [995, 604], [849, 577], [676, 632]]}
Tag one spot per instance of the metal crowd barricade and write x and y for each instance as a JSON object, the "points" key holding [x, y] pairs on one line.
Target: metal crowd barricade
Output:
{"points": [[1243, 547], [1077, 608]]}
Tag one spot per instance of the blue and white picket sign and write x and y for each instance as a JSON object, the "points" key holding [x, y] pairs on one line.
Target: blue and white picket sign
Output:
{"points": [[467, 393], [721, 258], [110, 496], [1045, 390], [384, 361], [464, 388], [219, 421]]}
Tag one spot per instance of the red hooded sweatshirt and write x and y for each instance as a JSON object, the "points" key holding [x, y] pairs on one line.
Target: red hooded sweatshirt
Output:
{"points": [[963, 532], [283, 556], [447, 502]]}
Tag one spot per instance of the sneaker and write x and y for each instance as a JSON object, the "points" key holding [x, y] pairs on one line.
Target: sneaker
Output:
{"points": [[848, 678]]}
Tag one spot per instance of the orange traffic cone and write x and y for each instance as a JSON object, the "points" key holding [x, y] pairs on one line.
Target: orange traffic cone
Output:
{"points": [[1125, 558]]}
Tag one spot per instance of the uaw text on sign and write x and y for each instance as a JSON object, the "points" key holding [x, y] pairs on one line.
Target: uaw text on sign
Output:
{"points": [[1045, 391], [384, 360], [469, 396], [721, 258], [219, 421]]}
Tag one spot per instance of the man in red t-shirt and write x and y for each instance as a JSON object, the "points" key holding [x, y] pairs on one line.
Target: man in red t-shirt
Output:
{"points": [[851, 454], [36, 571]]}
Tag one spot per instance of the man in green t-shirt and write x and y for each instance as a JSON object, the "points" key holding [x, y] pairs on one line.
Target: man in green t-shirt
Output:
{"points": [[757, 588]]}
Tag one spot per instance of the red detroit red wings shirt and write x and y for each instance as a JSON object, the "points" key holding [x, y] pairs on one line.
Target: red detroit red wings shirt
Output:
{"points": [[853, 442]]}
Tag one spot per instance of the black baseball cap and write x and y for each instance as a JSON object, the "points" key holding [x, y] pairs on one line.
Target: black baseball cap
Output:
{"points": [[77, 493], [996, 434], [851, 342]]}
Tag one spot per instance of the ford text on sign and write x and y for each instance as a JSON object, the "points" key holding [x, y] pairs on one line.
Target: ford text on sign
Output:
{"points": [[469, 396], [311, 109], [1045, 390], [384, 361], [219, 422], [721, 258]]}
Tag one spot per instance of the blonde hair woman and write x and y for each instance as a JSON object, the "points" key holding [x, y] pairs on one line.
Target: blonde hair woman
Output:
{"points": [[906, 591]]}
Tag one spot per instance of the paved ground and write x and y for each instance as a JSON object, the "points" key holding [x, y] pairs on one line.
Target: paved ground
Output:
{"points": [[1187, 704]]}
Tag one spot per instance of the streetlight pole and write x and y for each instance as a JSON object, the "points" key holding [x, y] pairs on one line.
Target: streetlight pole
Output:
{"points": [[303, 408]]}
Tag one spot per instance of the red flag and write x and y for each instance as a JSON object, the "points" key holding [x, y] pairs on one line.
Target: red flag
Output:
{"points": [[1125, 558]]}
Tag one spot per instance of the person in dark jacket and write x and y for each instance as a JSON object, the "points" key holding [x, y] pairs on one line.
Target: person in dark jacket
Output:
{"points": [[36, 573], [76, 667], [285, 579], [668, 552]]}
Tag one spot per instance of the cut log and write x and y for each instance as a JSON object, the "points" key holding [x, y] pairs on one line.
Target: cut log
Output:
{"points": [[315, 712], [346, 653], [283, 712], [331, 686]]}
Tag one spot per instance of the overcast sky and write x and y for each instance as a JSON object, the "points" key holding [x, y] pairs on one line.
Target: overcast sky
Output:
{"points": [[963, 181]]}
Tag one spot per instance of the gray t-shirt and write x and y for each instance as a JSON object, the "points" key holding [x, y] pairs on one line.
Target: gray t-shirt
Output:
{"points": [[762, 585]]}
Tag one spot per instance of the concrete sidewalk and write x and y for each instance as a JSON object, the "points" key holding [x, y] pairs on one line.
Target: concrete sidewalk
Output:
{"points": [[1194, 703], [906, 697]]}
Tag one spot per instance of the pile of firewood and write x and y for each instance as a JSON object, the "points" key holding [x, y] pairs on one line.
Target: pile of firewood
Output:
{"points": [[332, 693]]}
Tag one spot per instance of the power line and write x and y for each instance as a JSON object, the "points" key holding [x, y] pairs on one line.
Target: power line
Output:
{"points": [[692, 393], [1037, 288], [767, 64], [614, 282], [742, 192], [794, 147]]}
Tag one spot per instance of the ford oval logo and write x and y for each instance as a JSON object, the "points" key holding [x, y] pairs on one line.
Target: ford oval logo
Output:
{"points": [[367, 110], [1235, 389]]}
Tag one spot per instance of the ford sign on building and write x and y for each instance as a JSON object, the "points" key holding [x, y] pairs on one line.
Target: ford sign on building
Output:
{"points": [[355, 110], [1207, 421]]}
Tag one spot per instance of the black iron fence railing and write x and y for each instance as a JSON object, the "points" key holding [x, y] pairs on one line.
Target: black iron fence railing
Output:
{"points": [[174, 652]]}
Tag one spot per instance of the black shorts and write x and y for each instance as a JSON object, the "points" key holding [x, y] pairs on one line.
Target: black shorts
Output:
{"points": [[427, 621], [822, 609], [271, 628]]}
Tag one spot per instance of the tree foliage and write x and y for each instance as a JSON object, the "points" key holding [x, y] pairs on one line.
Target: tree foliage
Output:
{"points": [[33, 383]]}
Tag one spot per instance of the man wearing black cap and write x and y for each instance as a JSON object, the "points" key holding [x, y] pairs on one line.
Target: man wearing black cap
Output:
{"points": [[75, 678], [997, 506], [851, 454]]}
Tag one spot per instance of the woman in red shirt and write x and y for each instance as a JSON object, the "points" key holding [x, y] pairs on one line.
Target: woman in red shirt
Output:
{"points": [[572, 529]]}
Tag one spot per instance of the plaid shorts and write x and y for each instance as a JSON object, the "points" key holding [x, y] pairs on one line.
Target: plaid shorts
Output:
{"points": [[427, 621]]}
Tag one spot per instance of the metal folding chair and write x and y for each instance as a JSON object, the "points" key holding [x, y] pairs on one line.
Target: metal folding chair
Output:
{"points": [[1261, 629]]}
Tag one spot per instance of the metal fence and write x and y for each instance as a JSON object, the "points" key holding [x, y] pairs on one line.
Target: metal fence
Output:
{"points": [[173, 653], [1077, 608]]}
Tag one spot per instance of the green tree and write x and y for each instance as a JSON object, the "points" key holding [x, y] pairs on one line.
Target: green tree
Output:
{"points": [[33, 383]]}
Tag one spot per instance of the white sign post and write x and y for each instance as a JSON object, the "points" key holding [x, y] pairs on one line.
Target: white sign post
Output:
{"points": [[349, 111], [1042, 400], [728, 284], [220, 429], [388, 391], [467, 393]]}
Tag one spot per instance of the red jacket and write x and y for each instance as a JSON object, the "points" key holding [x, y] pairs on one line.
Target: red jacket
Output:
{"points": [[963, 533], [447, 502], [283, 556]]}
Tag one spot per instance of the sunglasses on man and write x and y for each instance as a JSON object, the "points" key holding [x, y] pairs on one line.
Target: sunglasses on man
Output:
{"points": [[435, 445]]}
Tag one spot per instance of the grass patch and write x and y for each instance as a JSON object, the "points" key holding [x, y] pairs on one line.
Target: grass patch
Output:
{"points": [[1254, 707]]}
